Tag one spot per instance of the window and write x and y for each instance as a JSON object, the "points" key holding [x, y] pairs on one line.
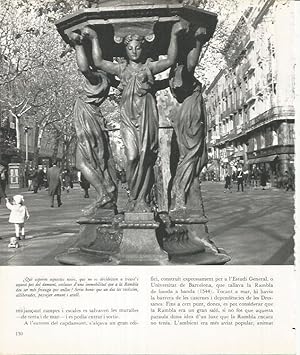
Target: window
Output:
{"points": [[274, 137], [262, 140], [252, 112], [231, 123], [254, 143]]}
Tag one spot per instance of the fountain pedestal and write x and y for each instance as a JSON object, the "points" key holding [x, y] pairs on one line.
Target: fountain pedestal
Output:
{"points": [[139, 243], [133, 238]]}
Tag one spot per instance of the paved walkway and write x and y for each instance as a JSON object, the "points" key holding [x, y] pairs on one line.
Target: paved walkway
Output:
{"points": [[254, 227]]}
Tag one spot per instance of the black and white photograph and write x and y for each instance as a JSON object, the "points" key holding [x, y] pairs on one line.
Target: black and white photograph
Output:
{"points": [[149, 133], [167, 139]]}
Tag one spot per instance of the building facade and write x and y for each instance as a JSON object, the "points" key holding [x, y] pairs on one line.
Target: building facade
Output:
{"points": [[250, 103]]}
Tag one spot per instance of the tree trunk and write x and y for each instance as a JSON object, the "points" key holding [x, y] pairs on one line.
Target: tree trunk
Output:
{"points": [[18, 135], [55, 149], [37, 143]]}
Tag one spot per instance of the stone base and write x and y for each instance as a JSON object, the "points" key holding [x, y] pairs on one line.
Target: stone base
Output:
{"points": [[184, 236], [139, 244], [202, 258], [133, 239], [78, 257], [99, 239]]}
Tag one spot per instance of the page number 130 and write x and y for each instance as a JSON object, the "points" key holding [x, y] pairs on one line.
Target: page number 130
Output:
{"points": [[19, 334]]}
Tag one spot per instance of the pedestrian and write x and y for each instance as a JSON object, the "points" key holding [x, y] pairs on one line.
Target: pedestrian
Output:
{"points": [[29, 181], [66, 178], [54, 181], [258, 173], [263, 179], [18, 215], [246, 177], [2, 182], [240, 179], [85, 185], [227, 181], [255, 177], [289, 181], [35, 180], [41, 176], [45, 180]]}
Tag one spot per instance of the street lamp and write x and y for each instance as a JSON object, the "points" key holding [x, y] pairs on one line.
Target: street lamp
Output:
{"points": [[26, 129]]}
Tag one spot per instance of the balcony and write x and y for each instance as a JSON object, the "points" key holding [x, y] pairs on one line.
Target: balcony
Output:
{"points": [[275, 113], [223, 116], [248, 41], [231, 135], [258, 88], [265, 154], [250, 95]]}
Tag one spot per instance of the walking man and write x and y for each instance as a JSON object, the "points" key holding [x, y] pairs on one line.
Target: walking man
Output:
{"points": [[54, 181], [240, 179], [85, 185], [227, 181]]}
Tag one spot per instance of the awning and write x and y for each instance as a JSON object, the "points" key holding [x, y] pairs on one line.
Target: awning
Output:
{"points": [[266, 159]]}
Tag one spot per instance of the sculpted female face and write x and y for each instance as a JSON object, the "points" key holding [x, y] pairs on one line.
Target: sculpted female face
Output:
{"points": [[134, 50]]}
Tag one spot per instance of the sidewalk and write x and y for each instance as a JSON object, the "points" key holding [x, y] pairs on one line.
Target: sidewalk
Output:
{"points": [[255, 227], [49, 231]]}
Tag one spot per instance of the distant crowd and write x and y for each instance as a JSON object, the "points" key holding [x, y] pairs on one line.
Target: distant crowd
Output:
{"points": [[36, 178], [256, 178]]}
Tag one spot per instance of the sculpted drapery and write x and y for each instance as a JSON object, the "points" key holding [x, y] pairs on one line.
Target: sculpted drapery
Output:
{"points": [[93, 154], [190, 128], [139, 118], [139, 126]]}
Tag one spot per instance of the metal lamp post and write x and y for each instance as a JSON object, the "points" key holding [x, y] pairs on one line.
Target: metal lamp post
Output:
{"points": [[26, 129]]}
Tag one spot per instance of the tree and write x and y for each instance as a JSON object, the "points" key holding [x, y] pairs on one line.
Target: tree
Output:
{"points": [[38, 76]]}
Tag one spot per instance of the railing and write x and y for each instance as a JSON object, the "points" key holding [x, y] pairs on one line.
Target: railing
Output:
{"points": [[274, 112], [249, 94], [267, 116], [247, 39]]}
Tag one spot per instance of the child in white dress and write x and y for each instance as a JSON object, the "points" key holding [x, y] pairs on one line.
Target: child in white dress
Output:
{"points": [[18, 215]]}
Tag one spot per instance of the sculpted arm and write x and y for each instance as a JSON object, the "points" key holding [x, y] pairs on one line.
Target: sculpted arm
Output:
{"points": [[161, 65], [82, 60], [100, 63], [194, 54]]}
